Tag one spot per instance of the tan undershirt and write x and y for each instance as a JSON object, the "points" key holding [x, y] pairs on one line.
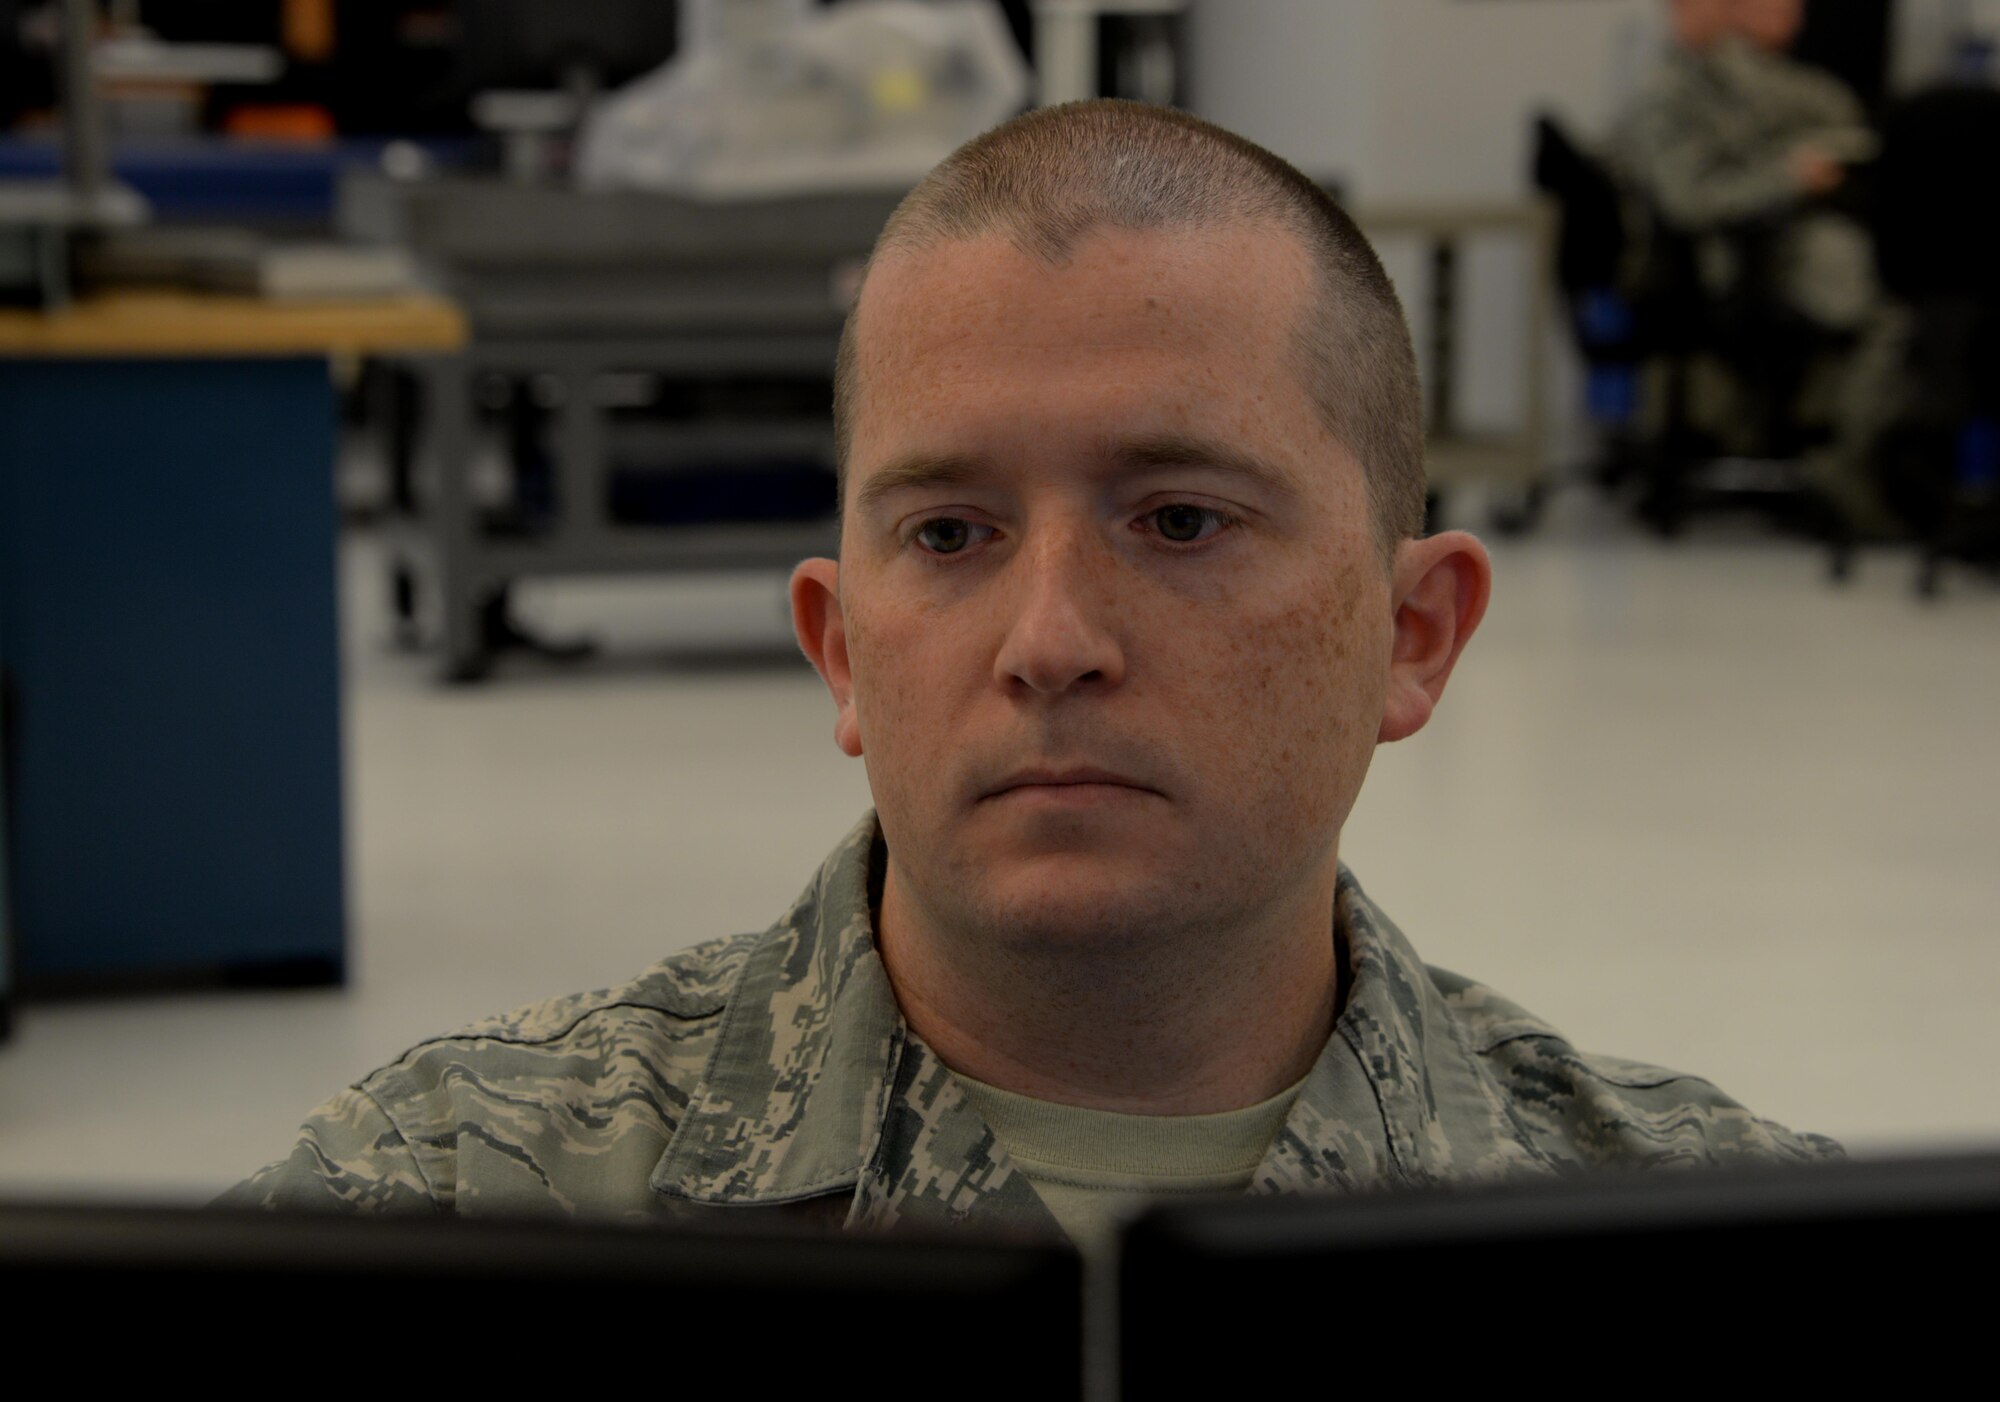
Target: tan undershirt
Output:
{"points": [[1093, 1167]]}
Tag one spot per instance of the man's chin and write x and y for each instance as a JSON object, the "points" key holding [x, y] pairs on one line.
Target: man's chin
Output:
{"points": [[1077, 897]]}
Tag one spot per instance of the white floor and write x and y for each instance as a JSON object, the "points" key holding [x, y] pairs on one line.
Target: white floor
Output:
{"points": [[1689, 802]]}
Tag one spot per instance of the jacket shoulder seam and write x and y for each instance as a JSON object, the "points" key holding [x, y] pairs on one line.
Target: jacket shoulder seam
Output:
{"points": [[1646, 1078], [473, 1034]]}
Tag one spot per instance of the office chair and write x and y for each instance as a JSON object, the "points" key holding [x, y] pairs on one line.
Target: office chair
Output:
{"points": [[1615, 320], [1937, 250]]}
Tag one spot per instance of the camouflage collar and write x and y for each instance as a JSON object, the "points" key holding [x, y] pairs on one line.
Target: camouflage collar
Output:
{"points": [[793, 1098], [816, 1087], [1398, 1095]]}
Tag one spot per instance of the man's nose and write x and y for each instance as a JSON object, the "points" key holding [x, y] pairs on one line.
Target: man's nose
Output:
{"points": [[1060, 635]]}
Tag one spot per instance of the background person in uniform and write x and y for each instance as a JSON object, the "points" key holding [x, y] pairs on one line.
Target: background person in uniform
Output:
{"points": [[1731, 131], [1732, 135], [1131, 586]]}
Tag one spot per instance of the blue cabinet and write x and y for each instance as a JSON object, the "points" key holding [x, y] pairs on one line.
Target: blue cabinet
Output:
{"points": [[167, 631]]}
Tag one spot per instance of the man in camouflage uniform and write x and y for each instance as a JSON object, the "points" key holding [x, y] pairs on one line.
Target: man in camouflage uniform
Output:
{"points": [[1738, 144], [1731, 131], [1131, 586]]}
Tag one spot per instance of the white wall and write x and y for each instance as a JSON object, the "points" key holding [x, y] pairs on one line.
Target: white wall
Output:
{"points": [[1413, 98], [1925, 31], [1298, 76]]}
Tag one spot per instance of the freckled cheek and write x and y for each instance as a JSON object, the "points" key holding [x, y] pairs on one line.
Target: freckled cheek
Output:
{"points": [[1294, 703], [906, 700]]}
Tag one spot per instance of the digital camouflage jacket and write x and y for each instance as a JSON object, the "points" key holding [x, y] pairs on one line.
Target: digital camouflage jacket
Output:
{"points": [[1712, 136], [773, 1072]]}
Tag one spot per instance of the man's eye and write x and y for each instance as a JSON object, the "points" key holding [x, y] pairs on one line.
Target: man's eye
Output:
{"points": [[945, 535], [1184, 524]]}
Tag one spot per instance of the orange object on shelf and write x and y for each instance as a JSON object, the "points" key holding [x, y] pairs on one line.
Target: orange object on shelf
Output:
{"points": [[308, 30], [289, 122]]}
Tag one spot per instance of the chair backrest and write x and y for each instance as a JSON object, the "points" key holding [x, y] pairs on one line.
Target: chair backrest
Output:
{"points": [[1590, 240], [1658, 291], [1936, 204]]}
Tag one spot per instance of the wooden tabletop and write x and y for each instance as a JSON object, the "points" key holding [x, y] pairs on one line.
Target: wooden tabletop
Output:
{"points": [[149, 323]]}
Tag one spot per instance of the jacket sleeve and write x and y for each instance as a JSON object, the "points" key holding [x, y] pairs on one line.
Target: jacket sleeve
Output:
{"points": [[1699, 183], [1636, 1113], [349, 1158]]}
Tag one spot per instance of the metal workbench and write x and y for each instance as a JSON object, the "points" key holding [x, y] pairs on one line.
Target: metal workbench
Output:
{"points": [[569, 290], [1453, 455]]}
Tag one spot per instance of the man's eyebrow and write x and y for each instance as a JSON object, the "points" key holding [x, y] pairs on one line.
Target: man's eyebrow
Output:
{"points": [[1184, 450], [1139, 453], [917, 470]]}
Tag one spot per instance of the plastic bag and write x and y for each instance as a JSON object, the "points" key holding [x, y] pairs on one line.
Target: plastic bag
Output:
{"points": [[868, 95]]}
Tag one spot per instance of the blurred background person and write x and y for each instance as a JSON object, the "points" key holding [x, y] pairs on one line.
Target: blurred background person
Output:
{"points": [[1731, 131], [1755, 157]]}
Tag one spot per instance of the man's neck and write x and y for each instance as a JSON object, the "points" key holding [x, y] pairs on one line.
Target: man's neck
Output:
{"points": [[1203, 1022]]}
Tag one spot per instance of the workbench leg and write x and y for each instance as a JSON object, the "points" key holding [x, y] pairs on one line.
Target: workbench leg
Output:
{"points": [[454, 520], [1443, 406]]}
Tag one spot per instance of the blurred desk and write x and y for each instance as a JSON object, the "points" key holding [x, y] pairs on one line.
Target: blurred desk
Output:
{"points": [[568, 291], [167, 633], [185, 324]]}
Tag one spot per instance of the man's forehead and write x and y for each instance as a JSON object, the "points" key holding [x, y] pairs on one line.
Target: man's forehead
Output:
{"points": [[1212, 311], [995, 281]]}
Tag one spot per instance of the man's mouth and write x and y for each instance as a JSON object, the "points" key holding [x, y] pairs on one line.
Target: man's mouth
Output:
{"points": [[1071, 784]]}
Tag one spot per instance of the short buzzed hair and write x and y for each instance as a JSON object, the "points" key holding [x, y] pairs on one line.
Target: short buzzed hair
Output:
{"points": [[1053, 175]]}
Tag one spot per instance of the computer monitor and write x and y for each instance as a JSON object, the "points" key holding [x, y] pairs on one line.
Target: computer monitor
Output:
{"points": [[145, 1297], [536, 44], [1698, 1282]]}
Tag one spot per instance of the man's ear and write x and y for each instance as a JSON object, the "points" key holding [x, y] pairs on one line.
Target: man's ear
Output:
{"points": [[822, 633], [1438, 591]]}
